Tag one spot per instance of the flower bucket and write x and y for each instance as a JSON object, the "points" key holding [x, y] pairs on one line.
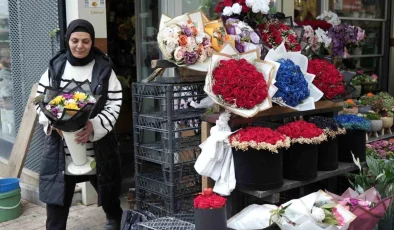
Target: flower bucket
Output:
{"points": [[300, 162], [328, 155], [10, 205], [352, 142], [80, 162], [9, 184], [210, 219], [267, 165]]}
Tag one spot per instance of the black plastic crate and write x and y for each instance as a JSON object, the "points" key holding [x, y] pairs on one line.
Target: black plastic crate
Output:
{"points": [[185, 182], [157, 90], [166, 223], [161, 207]]}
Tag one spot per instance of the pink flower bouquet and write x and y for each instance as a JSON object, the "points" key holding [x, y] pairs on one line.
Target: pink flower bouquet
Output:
{"points": [[368, 207]]}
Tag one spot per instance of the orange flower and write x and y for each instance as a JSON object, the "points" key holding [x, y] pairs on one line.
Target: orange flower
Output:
{"points": [[195, 31], [200, 47], [182, 40], [350, 101], [370, 94], [189, 22], [392, 140]]}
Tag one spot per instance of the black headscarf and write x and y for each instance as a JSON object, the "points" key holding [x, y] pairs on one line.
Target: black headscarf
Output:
{"points": [[80, 25]]}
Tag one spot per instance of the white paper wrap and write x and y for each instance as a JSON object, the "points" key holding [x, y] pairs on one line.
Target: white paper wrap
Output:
{"points": [[258, 216], [268, 68], [216, 159], [302, 61]]}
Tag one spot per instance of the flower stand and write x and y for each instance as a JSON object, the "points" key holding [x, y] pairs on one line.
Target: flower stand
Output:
{"points": [[352, 142], [387, 124], [300, 162], [267, 165], [377, 126], [210, 219], [328, 155]]}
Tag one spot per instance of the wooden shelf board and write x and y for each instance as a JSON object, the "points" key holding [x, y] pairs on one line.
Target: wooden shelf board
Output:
{"points": [[278, 112], [291, 184], [381, 137]]}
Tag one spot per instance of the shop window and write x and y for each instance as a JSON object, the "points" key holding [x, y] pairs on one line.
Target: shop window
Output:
{"points": [[7, 121]]}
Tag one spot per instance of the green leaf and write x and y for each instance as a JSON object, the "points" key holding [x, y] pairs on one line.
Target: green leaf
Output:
{"points": [[331, 221], [373, 165], [328, 206]]}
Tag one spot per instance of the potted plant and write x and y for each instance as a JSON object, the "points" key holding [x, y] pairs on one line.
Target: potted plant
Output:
{"points": [[300, 160], [328, 150], [349, 107], [354, 140], [376, 122], [364, 82], [364, 103], [210, 211], [258, 151], [387, 119]]}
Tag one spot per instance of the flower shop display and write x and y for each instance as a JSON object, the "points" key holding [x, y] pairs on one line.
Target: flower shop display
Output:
{"points": [[300, 160], [68, 109], [295, 86], [241, 83], [376, 122], [210, 211], [246, 39], [328, 150], [368, 206], [182, 40], [316, 211], [327, 78], [354, 140], [273, 33], [344, 36], [258, 151], [350, 107], [330, 17]]}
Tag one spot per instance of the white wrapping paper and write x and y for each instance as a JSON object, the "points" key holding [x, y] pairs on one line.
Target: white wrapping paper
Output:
{"points": [[302, 61]]}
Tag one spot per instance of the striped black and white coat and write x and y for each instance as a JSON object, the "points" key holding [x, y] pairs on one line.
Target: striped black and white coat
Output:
{"points": [[104, 122]]}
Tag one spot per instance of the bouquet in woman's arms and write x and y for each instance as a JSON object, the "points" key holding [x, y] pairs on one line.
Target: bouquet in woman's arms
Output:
{"points": [[295, 86], [368, 206], [241, 83], [316, 211]]}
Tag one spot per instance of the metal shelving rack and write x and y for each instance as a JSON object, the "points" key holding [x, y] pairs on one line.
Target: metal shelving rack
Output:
{"points": [[166, 140]]}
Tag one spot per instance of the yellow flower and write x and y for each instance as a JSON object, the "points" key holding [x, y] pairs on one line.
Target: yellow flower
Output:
{"points": [[73, 106], [80, 96], [57, 100]]}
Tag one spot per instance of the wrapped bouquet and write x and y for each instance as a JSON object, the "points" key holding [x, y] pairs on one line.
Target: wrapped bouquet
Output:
{"points": [[241, 83]]}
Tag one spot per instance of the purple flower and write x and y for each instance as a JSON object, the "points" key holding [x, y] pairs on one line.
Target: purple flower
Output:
{"points": [[205, 42], [187, 31], [68, 96], [239, 47], [231, 30], [55, 110], [353, 202], [81, 104], [255, 38], [190, 57]]}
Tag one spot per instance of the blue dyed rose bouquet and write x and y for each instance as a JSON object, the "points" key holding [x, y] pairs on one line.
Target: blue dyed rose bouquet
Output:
{"points": [[353, 122], [295, 85]]}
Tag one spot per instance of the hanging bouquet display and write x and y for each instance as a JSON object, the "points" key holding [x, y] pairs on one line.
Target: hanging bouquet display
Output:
{"points": [[330, 17], [301, 159], [318, 40], [295, 86], [354, 141], [274, 33], [182, 40], [258, 151], [246, 39], [241, 83], [328, 151], [252, 11], [68, 109], [210, 211], [368, 206], [327, 78], [316, 211], [315, 24], [343, 36]]}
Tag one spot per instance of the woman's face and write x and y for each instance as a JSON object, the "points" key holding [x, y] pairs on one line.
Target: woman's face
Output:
{"points": [[80, 44]]}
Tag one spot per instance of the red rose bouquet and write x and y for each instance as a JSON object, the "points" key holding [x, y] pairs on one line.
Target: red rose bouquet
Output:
{"points": [[315, 24], [239, 84], [259, 138], [328, 79], [209, 200], [303, 132], [273, 33]]}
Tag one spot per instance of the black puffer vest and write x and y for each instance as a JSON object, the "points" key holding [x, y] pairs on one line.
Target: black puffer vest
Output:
{"points": [[52, 168]]}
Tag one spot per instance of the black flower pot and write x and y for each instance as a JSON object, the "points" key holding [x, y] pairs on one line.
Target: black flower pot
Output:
{"points": [[258, 169], [353, 141], [210, 219], [300, 162], [328, 155]]}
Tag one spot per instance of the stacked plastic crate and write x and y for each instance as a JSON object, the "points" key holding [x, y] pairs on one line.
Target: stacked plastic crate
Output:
{"points": [[166, 140]]}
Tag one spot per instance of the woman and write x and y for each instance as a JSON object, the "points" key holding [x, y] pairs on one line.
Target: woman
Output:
{"points": [[82, 61]]}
